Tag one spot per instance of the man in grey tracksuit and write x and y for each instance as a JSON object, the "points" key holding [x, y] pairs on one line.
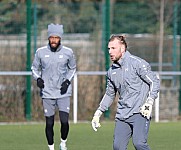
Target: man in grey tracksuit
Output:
{"points": [[137, 86], [53, 68]]}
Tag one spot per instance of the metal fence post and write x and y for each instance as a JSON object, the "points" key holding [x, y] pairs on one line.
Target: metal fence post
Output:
{"points": [[75, 97], [106, 34], [180, 63], [28, 61]]}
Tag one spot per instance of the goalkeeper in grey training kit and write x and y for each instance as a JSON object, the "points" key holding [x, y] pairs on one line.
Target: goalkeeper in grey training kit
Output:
{"points": [[53, 68], [137, 86]]}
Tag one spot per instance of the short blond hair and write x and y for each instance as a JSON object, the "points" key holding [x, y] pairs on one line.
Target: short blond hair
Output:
{"points": [[120, 37]]}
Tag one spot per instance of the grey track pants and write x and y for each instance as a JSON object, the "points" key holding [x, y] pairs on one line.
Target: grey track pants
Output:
{"points": [[136, 127]]}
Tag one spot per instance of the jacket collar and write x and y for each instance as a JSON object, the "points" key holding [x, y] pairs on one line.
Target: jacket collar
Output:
{"points": [[58, 49], [121, 61]]}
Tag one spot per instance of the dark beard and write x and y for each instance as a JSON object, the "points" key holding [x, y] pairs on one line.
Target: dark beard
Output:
{"points": [[53, 49]]}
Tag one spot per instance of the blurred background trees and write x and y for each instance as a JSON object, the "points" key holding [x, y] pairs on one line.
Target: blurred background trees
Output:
{"points": [[78, 18]]}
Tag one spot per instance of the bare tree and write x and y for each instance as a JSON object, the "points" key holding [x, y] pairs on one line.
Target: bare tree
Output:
{"points": [[163, 12], [161, 35]]}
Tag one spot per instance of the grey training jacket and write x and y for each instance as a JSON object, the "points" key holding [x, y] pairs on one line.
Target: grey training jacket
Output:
{"points": [[54, 68], [133, 79]]}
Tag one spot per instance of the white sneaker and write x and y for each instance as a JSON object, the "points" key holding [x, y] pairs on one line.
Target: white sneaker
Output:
{"points": [[63, 145], [51, 147]]}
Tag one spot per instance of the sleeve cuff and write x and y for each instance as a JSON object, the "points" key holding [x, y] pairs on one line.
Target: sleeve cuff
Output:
{"points": [[98, 113], [150, 100]]}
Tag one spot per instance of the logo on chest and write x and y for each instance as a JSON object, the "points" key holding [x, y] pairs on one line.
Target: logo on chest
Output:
{"points": [[46, 56], [60, 56], [126, 69]]}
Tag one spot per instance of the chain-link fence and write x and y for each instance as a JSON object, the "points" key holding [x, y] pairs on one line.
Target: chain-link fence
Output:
{"points": [[83, 26]]}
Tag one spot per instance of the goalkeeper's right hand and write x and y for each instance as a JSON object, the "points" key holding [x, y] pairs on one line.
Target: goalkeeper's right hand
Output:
{"points": [[146, 109], [95, 121]]}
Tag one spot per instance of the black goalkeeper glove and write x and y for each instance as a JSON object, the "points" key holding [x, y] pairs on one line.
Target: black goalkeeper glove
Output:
{"points": [[40, 83], [64, 86]]}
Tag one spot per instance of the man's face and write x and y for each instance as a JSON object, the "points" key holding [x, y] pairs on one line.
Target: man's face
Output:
{"points": [[116, 50], [54, 41]]}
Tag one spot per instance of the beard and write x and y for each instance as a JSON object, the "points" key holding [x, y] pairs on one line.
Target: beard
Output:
{"points": [[54, 48], [115, 58]]}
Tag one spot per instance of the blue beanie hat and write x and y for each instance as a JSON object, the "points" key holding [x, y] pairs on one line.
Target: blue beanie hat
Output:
{"points": [[55, 30]]}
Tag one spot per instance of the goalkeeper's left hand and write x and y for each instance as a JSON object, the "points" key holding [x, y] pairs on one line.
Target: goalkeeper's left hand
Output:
{"points": [[95, 121], [146, 109], [64, 86]]}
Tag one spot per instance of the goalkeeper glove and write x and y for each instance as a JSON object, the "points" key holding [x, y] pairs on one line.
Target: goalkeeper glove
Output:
{"points": [[64, 86], [146, 109], [40, 83], [95, 121]]}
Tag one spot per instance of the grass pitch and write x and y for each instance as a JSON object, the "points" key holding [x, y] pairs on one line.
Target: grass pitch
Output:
{"points": [[162, 136]]}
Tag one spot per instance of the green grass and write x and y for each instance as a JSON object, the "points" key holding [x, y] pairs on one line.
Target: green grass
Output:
{"points": [[162, 136]]}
